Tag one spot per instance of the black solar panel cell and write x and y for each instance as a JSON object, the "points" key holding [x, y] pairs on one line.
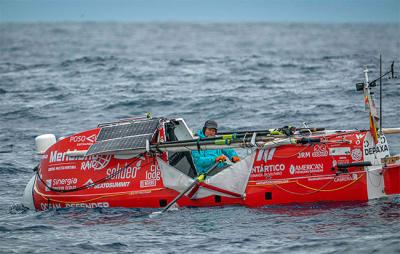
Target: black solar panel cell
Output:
{"points": [[119, 144], [124, 137], [128, 130]]}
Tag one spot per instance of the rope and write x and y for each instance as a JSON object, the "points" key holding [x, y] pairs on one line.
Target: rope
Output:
{"points": [[314, 190], [303, 194], [331, 190], [372, 182], [96, 198]]}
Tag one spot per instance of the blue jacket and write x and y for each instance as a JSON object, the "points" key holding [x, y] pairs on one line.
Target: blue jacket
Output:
{"points": [[204, 159]]}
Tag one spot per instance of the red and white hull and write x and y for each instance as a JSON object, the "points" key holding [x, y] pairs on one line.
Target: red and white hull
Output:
{"points": [[286, 174]]}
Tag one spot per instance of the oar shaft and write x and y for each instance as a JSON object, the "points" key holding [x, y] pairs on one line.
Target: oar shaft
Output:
{"points": [[196, 181], [214, 140], [249, 132], [209, 144], [224, 135], [179, 196], [391, 130], [265, 132]]}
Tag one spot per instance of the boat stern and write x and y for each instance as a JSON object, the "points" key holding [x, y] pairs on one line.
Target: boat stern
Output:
{"points": [[391, 175]]}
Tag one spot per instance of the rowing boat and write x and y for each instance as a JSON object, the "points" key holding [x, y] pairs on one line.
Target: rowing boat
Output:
{"points": [[146, 163]]}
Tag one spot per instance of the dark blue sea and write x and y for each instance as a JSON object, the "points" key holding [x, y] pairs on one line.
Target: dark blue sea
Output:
{"points": [[63, 78]]}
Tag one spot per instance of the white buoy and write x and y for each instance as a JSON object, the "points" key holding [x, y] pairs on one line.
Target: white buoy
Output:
{"points": [[43, 142], [27, 199]]}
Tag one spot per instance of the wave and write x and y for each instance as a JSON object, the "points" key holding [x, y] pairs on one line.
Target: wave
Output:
{"points": [[12, 67], [186, 61], [16, 67], [140, 103], [101, 60]]}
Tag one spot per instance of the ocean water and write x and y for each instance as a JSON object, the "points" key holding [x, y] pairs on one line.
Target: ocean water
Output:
{"points": [[63, 78]]}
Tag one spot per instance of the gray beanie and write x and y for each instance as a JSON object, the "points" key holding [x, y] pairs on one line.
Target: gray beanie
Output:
{"points": [[211, 124]]}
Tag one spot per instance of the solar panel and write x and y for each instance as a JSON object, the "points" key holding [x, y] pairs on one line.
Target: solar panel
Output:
{"points": [[128, 129], [124, 137], [119, 144]]}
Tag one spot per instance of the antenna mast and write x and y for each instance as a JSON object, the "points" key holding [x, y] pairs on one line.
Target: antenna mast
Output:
{"points": [[380, 95]]}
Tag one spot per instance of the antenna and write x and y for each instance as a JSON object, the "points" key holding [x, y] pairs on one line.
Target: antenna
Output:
{"points": [[369, 100], [380, 93]]}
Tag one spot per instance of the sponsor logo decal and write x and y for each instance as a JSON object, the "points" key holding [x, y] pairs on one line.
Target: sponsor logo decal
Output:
{"points": [[45, 206], [62, 167], [89, 205], [265, 155], [89, 183], [292, 169], [148, 183], [96, 162], [306, 168], [320, 151], [80, 139], [152, 177], [346, 178], [379, 150], [322, 178], [91, 138], [61, 183], [376, 149], [356, 154], [123, 172], [154, 173], [65, 181], [277, 181], [111, 185], [268, 168], [303, 155], [360, 136]]}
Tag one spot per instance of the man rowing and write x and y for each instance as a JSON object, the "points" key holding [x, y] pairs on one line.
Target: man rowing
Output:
{"points": [[205, 159]]}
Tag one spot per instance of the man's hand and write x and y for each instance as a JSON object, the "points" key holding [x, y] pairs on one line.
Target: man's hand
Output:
{"points": [[235, 159], [221, 158]]}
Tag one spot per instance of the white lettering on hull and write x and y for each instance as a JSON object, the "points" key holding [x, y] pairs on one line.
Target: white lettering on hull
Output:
{"points": [[306, 168], [120, 173]]}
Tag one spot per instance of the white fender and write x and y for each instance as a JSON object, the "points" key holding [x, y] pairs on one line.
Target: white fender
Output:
{"points": [[43, 142], [27, 199]]}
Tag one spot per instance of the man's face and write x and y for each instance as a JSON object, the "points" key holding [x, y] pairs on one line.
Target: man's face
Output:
{"points": [[210, 132]]}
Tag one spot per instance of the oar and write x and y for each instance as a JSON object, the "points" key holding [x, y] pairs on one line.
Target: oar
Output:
{"points": [[391, 130], [222, 136], [198, 179], [269, 131]]}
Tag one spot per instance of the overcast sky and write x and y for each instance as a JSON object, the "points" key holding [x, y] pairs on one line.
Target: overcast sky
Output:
{"points": [[331, 11]]}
